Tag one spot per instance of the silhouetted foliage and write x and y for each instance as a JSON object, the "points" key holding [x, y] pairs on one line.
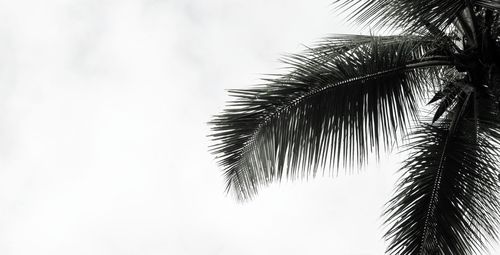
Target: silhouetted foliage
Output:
{"points": [[353, 95]]}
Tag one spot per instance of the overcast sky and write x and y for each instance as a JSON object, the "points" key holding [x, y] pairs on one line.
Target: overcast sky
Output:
{"points": [[103, 147]]}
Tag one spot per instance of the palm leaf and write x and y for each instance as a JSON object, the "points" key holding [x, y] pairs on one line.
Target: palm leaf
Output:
{"points": [[452, 93], [353, 95], [447, 201], [336, 106], [490, 4], [409, 15]]}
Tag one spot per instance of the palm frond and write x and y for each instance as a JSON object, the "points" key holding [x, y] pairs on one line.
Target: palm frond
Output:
{"points": [[490, 4], [351, 96], [452, 93], [447, 201], [403, 14], [337, 105]]}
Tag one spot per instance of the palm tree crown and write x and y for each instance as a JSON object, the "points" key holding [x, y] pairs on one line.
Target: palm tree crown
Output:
{"points": [[350, 96]]}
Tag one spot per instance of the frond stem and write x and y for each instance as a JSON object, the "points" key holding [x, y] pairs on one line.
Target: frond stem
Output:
{"points": [[437, 182], [424, 62]]}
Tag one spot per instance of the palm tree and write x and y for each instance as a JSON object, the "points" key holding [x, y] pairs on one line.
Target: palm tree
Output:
{"points": [[434, 88]]}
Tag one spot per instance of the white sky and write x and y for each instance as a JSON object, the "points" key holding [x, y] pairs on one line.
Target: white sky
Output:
{"points": [[103, 147]]}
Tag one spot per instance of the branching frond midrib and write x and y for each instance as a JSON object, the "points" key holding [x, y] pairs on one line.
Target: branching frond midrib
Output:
{"points": [[433, 200], [427, 143], [421, 63], [259, 108]]}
